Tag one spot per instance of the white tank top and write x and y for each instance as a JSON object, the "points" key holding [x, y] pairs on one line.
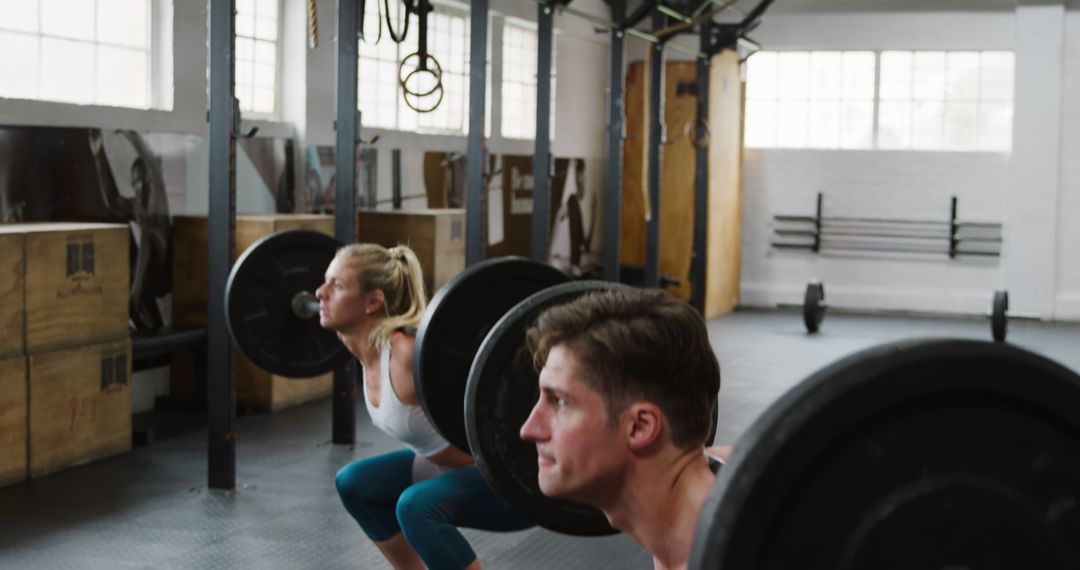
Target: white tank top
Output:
{"points": [[405, 422]]}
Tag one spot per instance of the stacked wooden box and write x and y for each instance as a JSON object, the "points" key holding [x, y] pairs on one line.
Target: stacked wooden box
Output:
{"points": [[437, 237], [256, 389], [65, 355]]}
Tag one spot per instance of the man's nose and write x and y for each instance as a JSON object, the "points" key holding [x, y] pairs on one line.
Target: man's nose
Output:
{"points": [[531, 429]]}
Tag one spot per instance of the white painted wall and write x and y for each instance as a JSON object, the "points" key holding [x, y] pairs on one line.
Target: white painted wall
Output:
{"points": [[1068, 239], [1020, 189]]}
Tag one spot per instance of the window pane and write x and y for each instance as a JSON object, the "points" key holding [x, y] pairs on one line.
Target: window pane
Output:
{"points": [[894, 125], [245, 24], [266, 29], [792, 119], [995, 126], [760, 124], [960, 128], [264, 76], [794, 75], [68, 18], [927, 121], [857, 125], [264, 101], [266, 9], [245, 72], [245, 49], [824, 124], [265, 52], [929, 76], [19, 15], [20, 74], [826, 73], [67, 70], [122, 77], [858, 80], [962, 80], [123, 22], [896, 80]]}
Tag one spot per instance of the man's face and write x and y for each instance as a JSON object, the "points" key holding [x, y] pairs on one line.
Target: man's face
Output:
{"points": [[341, 304], [580, 454]]}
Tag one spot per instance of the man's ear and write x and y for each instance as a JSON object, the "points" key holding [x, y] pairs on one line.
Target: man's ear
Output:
{"points": [[646, 424]]}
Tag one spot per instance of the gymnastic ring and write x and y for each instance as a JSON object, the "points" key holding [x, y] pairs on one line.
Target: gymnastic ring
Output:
{"points": [[438, 87], [403, 80]]}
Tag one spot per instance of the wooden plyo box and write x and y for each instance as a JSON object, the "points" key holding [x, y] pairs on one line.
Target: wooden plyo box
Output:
{"points": [[12, 310], [13, 420], [80, 405], [74, 285], [437, 237], [255, 388]]}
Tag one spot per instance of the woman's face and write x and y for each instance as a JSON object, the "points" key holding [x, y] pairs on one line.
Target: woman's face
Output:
{"points": [[342, 305]]}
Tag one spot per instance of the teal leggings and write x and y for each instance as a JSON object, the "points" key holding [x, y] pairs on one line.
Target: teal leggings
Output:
{"points": [[380, 494]]}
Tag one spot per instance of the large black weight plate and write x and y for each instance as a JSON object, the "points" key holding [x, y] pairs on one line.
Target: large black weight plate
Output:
{"points": [[258, 304], [455, 323], [918, 454], [814, 306], [999, 320], [503, 388]]}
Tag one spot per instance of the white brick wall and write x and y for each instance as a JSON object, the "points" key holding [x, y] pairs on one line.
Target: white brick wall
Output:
{"points": [[915, 185], [918, 185]]}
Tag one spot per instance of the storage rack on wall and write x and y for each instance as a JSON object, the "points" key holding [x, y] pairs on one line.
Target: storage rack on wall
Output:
{"points": [[951, 237]]}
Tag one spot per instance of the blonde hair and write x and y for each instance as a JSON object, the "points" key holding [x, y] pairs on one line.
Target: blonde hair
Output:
{"points": [[396, 271]]}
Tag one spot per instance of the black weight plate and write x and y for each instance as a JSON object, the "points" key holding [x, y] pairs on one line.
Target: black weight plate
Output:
{"points": [[503, 388], [814, 306], [455, 323], [999, 320], [918, 454], [258, 304]]}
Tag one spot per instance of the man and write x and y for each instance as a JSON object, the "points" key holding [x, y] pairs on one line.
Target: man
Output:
{"points": [[628, 395]]}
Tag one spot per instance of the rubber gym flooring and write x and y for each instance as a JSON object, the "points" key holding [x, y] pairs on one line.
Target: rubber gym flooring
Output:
{"points": [[151, 509]]}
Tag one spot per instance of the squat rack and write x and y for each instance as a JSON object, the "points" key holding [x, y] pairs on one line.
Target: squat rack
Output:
{"points": [[224, 129]]}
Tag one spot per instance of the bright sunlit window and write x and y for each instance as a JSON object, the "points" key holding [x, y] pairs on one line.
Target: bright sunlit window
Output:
{"points": [[380, 97], [519, 61], [890, 100], [256, 55], [92, 52]]}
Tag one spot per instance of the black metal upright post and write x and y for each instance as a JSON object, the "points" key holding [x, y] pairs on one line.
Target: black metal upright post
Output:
{"points": [[656, 134], [221, 239], [477, 156], [616, 118], [699, 260], [545, 19], [345, 389]]}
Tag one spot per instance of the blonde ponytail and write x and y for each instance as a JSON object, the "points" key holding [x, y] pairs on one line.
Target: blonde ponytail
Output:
{"points": [[397, 272]]}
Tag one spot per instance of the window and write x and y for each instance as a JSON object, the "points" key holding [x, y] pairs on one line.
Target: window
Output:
{"points": [[519, 49], [946, 101], [892, 100], [378, 93], [77, 51], [256, 56], [810, 100]]}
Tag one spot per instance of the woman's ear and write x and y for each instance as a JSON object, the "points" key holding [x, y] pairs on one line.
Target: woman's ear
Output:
{"points": [[646, 424]]}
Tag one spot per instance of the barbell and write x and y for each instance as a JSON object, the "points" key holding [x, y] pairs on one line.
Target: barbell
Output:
{"points": [[925, 453], [814, 306]]}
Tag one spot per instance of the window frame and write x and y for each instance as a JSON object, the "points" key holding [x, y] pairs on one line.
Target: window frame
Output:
{"points": [[875, 140], [154, 98], [275, 115]]}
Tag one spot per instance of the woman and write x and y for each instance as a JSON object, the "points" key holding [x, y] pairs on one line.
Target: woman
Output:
{"points": [[409, 502]]}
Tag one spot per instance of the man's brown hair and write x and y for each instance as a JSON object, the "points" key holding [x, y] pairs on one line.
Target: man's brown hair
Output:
{"points": [[636, 344]]}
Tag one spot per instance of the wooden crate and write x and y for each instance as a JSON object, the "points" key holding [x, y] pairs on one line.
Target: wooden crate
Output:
{"points": [[190, 277], [437, 237], [12, 274], [80, 405], [256, 389], [12, 420], [75, 287]]}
